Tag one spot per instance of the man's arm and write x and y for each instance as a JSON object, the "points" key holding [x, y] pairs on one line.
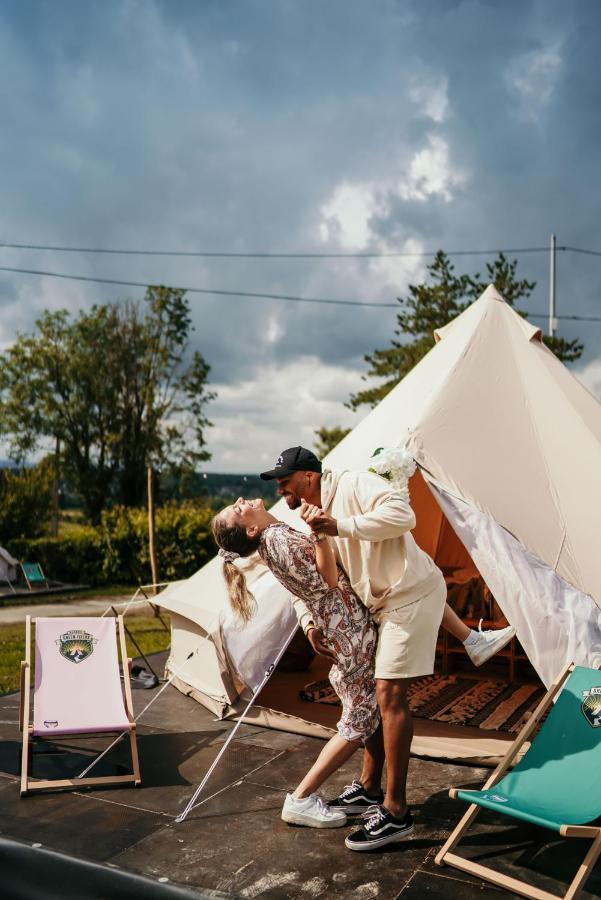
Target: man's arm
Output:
{"points": [[384, 512]]}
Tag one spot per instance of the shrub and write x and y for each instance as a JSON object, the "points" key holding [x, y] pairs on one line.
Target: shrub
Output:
{"points": [[25, 501], [116, 551]]}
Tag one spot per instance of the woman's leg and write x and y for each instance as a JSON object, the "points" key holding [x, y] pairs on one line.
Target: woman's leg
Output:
{"points": [[451, 622], [334, 754]]}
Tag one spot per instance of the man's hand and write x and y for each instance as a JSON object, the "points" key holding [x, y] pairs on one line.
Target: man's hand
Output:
{"points": [[318, 521], [315, 638]]}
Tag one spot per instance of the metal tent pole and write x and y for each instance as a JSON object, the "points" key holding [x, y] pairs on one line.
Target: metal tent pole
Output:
{"points": [[267, 675]]}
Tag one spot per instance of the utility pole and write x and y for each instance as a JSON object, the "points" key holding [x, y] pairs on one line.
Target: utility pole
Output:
{"points": [[552, 318]]}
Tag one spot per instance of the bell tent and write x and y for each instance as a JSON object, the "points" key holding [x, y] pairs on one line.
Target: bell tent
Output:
{"points": [[508, 447]]}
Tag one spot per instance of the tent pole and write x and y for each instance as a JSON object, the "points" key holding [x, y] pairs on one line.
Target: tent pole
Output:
{"points": [[230, 737]]}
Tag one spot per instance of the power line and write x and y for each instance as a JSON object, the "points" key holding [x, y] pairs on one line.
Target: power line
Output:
{"points": [[251, 294], [194, 290], [254, 255], [574, 318], [573, 250]]}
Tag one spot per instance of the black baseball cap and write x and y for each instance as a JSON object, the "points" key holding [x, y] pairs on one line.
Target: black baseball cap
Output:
{"points": [[294, 459]]}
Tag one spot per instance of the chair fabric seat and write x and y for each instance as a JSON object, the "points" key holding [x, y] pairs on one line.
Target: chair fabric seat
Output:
{"points": [[498, 803], [77, 680], [558, 781]]}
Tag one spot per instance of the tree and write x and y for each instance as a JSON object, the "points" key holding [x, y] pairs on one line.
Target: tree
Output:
{"points": [[432, 305], [328, 438], [25, 500], [116, 388]]}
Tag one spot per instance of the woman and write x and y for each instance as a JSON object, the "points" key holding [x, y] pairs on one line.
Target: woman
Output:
{"points": [[306, 566]]}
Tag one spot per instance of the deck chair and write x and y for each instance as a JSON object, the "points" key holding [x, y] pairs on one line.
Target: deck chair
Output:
{"points": [[77, 691], [557, 783], [33, 575]]}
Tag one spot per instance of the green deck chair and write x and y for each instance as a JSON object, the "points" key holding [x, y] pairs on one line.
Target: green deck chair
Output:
{"points": [[557, 783], [32, 572]]}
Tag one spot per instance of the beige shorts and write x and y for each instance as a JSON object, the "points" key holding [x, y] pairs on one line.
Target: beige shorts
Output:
{"points": [[407, 637]]}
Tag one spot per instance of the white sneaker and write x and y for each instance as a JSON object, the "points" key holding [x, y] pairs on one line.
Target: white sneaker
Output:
{"points": [[488, 643], [311, 811]]}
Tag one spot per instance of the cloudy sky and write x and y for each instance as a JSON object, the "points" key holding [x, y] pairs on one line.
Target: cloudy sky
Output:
{"points": [[291, 126]]}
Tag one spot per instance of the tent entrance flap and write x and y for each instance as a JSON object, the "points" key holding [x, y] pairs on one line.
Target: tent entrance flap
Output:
{"points": [[555, 622]]}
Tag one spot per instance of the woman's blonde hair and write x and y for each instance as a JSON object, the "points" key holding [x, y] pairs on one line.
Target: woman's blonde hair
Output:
{"points": [[235, 539]]}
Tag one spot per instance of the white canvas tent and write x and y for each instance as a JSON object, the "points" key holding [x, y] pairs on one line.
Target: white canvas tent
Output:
{"points": [[509, 445], [8, 566]]}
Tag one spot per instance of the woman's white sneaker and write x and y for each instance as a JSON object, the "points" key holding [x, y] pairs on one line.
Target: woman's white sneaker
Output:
{"points": [[312, 812], [487, 643]]}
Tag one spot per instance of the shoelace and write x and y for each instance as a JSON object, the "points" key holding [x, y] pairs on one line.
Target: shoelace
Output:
{"points": [[323, 807], [480, 625], [374, 815], [349, 789]]}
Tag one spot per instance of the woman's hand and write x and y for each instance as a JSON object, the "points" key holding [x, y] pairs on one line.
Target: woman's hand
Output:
{"points": [[318, 521], [310, 514]]}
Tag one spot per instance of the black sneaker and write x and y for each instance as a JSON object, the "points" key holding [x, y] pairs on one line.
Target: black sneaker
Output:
{"points": [[381, 828], [355, 799]]}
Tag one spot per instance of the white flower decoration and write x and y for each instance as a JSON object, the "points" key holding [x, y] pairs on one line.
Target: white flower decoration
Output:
{"points": [[396, 465]]}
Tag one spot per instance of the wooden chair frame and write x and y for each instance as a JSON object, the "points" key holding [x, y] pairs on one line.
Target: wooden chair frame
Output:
{"points": [[446, 857], [29, 785]]}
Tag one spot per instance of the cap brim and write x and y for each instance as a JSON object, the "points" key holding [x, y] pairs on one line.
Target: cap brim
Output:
{"points": [[281, 472]]}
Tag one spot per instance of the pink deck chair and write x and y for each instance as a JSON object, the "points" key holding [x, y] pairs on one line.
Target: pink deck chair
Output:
{"points": [[77, 690]]}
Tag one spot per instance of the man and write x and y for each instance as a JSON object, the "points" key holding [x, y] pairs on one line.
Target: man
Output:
{"points": [[405, 592]]}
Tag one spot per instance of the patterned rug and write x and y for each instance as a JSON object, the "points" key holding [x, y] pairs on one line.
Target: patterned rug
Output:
{"points": [[458, 700]]}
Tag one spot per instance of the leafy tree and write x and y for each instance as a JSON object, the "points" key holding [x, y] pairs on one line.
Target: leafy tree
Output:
{"points": [[328, 438], [432, 305], [114, 387], [25, 501]]}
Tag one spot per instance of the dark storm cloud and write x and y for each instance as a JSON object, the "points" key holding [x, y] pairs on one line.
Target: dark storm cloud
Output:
{"points": [[245, 126]]}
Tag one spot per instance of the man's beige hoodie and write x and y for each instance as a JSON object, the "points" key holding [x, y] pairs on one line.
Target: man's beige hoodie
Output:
{"points": [[374, 546]]}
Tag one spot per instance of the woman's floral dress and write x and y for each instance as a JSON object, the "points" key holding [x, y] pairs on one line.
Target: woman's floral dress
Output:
{"points": [[347, 627]]}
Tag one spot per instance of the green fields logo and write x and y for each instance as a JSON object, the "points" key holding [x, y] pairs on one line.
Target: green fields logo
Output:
{"points": [[591, 706], [76, 645]]}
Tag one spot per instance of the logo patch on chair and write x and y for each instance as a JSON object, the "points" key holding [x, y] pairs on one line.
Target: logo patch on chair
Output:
{"points": [[76, 645], [591, 706]]}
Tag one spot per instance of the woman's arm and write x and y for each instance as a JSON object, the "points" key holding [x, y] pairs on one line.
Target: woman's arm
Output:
{"points": [[324, 552]]}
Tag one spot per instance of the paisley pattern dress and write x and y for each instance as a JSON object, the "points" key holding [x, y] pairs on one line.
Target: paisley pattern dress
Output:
{"points": [[346, 624]]}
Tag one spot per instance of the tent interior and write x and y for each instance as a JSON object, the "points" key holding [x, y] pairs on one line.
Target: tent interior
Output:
{"points": [[279, 705]]}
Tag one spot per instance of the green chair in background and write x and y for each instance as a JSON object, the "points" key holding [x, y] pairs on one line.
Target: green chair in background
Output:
{"points": [[33, 575], [557, 783]]}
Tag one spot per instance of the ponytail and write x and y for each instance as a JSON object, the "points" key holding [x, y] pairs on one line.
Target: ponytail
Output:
{"points": [[235, 539], [242, 601]]}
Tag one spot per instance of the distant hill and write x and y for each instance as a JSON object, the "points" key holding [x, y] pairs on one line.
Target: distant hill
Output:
{"points": [[207, 485], [215, 484]]}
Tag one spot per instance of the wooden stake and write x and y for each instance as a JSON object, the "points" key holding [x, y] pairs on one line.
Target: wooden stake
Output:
{"points": [[151, 546]]}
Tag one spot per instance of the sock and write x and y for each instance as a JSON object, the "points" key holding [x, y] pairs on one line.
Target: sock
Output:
{"points": [[471, 638]]}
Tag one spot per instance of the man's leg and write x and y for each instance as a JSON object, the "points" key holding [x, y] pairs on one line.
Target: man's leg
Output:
{"points": [[373, 762], [397, 728]]}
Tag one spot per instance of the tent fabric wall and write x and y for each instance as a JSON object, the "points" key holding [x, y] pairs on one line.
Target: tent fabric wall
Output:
{"points": [[8, 566], [553, 619], [510, 443]]}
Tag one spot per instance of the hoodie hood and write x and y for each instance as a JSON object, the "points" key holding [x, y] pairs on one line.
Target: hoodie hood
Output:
{"points": [[328, 485]]}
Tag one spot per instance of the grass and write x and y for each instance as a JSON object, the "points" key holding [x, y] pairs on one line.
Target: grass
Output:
{"points": [[147, 631]]}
